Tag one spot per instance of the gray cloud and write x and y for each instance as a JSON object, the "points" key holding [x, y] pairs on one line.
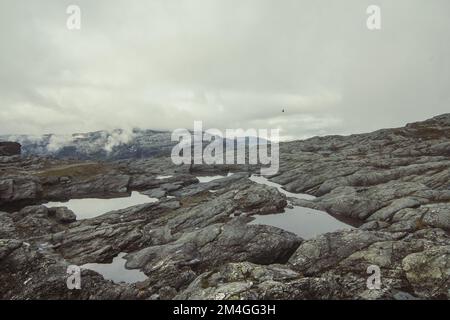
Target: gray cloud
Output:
{"points": [[162, 64]]}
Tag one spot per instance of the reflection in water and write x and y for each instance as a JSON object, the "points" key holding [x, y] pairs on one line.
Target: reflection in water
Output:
{"points": [[92, 207], [116, 270], [203, 179], [304, 222], [163, 177], [263, 180]]}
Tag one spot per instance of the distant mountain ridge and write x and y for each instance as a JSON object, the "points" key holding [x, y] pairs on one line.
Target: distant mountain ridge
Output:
{"points": [[146, 143], [116, 144]]}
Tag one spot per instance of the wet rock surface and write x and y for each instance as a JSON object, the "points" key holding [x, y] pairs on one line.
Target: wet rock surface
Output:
{"points": [[196, 241]]}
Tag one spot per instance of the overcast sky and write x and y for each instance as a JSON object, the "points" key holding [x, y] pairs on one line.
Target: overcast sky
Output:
{"points": [[162, 64]]}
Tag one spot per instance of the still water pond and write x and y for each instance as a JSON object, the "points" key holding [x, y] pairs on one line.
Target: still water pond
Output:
{"points": [[304, 222], [204, 179], [93, 207], [116, 270]]}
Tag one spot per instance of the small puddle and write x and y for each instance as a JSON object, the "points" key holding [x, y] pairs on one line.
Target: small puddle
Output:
{"points": [[116, 270], [264, 180], [163, 177], [204, 179], [92, 207], [305, 222]]}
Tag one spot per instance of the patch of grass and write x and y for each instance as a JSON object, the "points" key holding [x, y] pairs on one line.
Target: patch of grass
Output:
{"points": [[193, 200], [204, 283], [426, 132], [420, 224], [73, 170]]}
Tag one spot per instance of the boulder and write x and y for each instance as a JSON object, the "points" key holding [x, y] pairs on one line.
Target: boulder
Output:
{"points": [[10, 148], [62, 214]]}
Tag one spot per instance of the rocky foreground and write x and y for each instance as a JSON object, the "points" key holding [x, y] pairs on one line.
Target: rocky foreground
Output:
{"points": [[393, 184]]}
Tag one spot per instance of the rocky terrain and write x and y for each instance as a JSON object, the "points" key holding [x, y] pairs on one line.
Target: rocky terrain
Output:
{"points": [[196, 242]]}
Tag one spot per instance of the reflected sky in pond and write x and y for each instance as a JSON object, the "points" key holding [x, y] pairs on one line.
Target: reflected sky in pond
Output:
{"points": [[264, 180], [304, 222], [116, 270], [93, 207], [204, 179]]}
